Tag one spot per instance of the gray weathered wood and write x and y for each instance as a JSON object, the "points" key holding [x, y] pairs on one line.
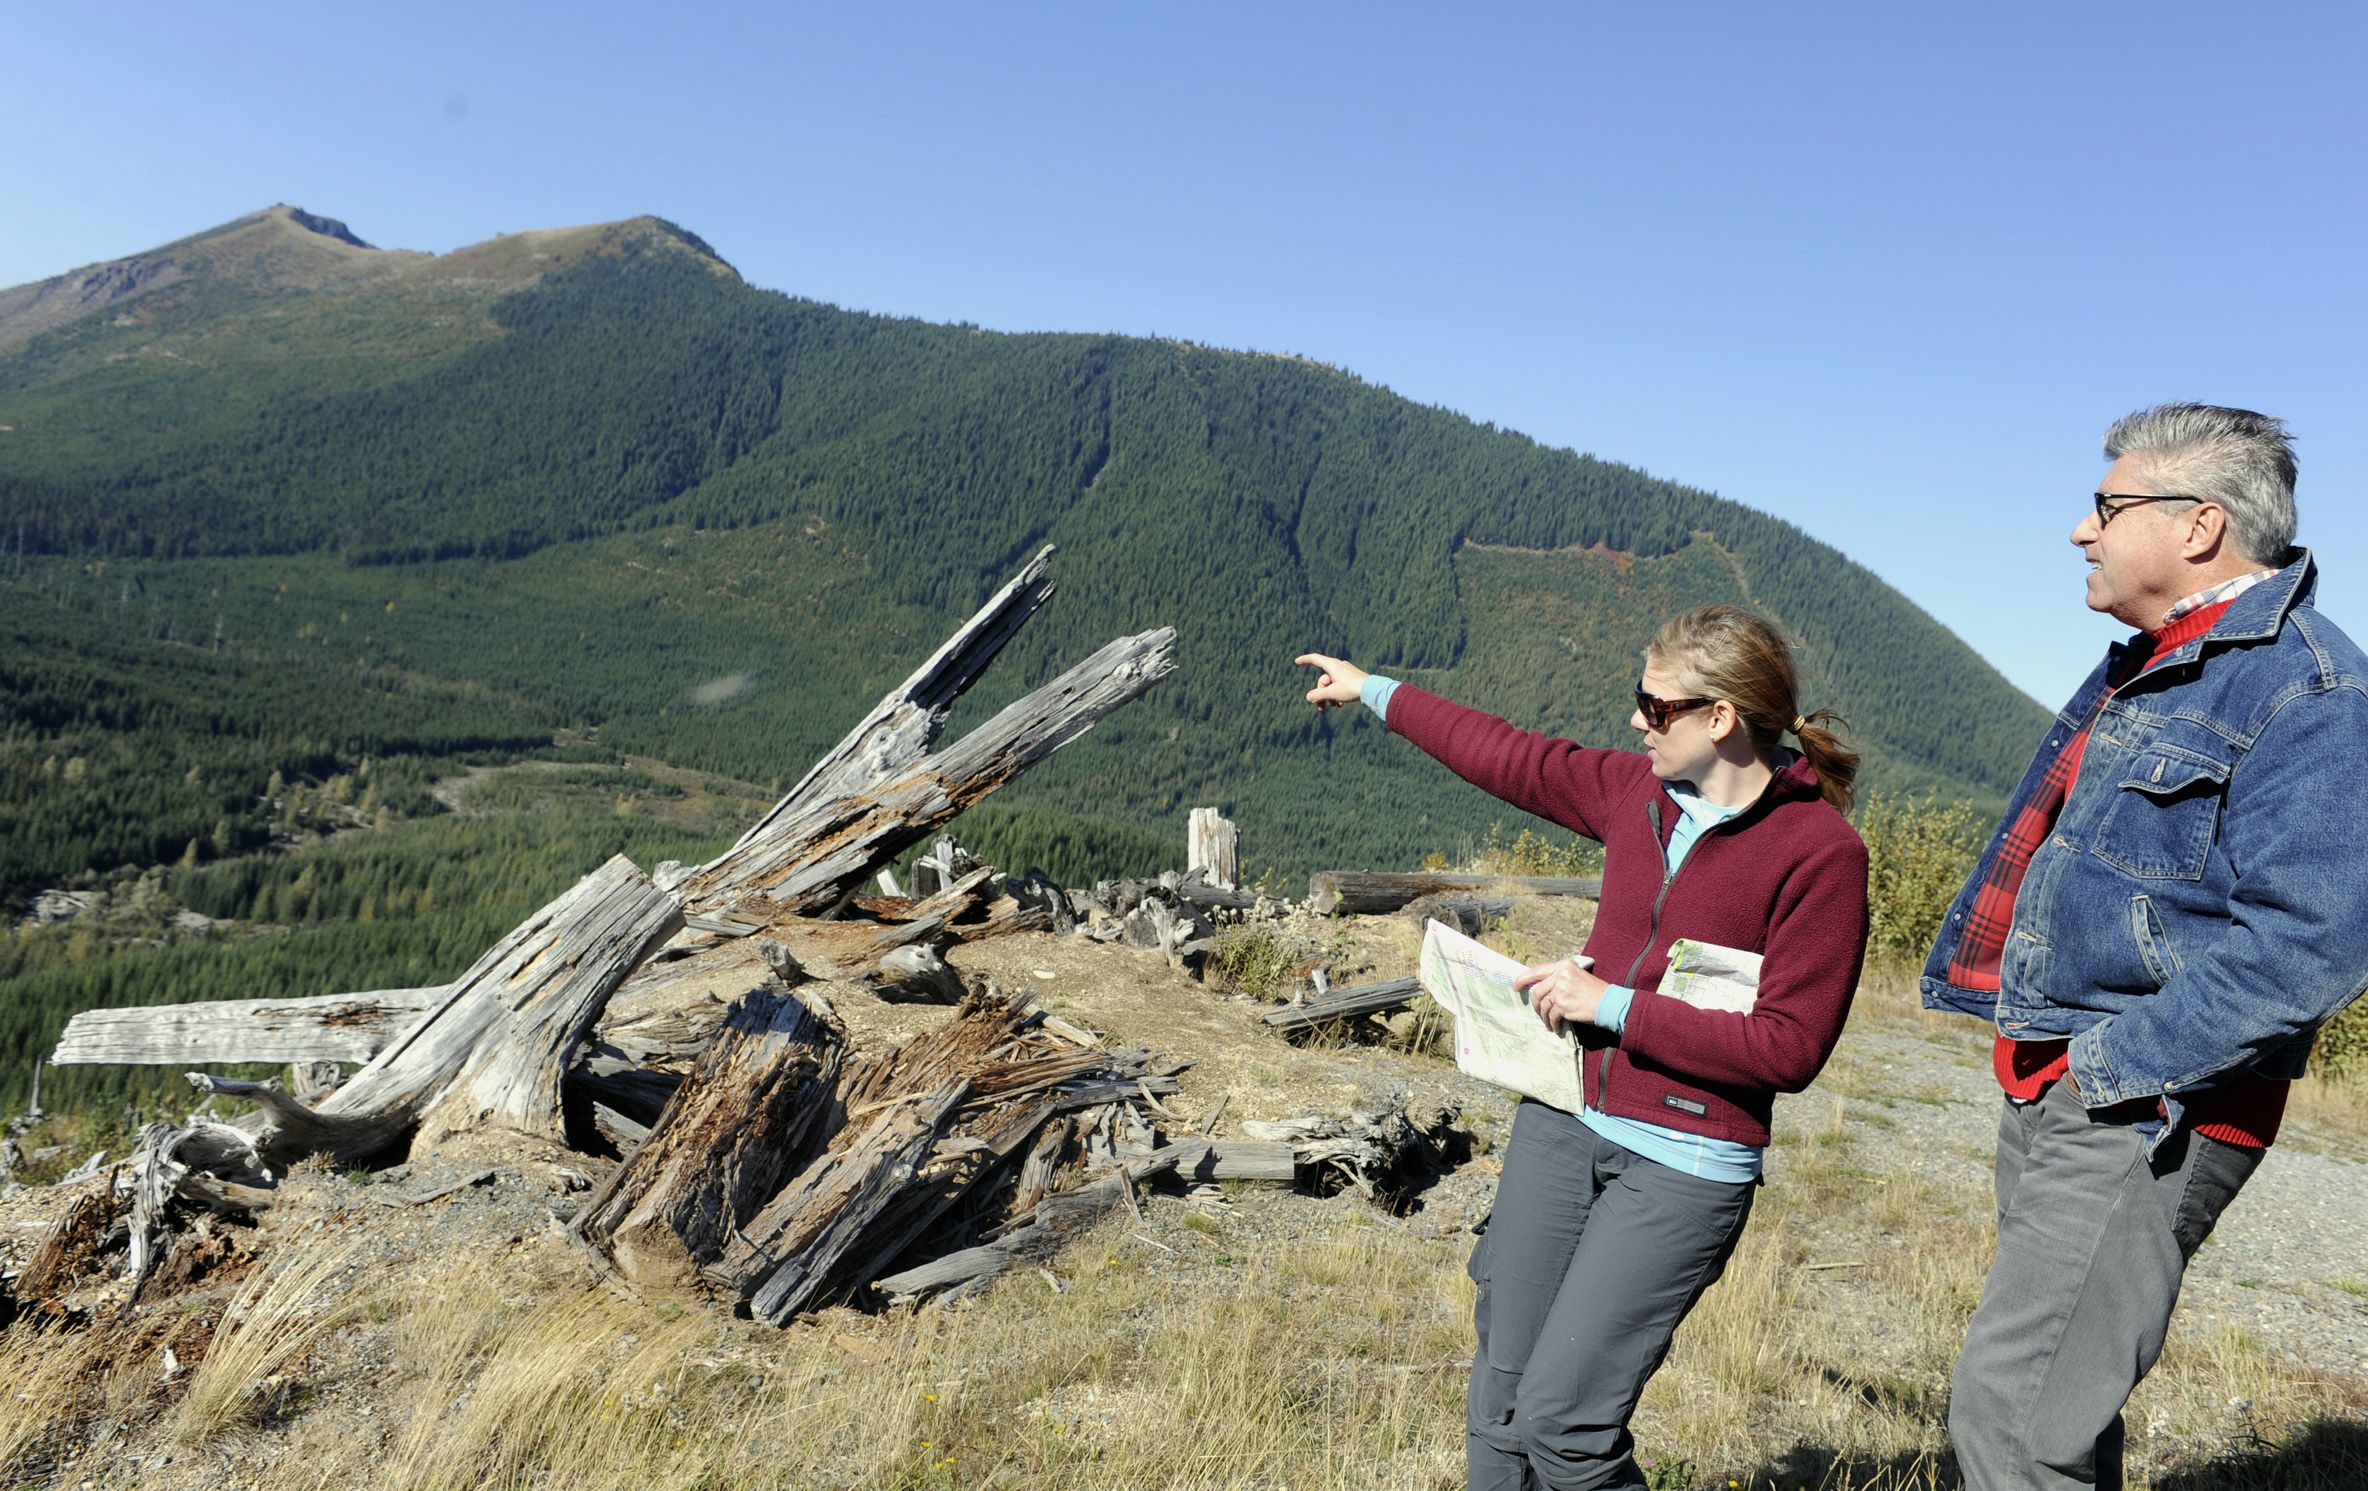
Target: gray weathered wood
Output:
{"points": [[1343, 1004], [905, 723], [546, 993], [745, 1121], [809, 859], [1037, 1233], [797, 1241], [1212, 847], [495, 1048], [1362, 893], [329, 1027]]}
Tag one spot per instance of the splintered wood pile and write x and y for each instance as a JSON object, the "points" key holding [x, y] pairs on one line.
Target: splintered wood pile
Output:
{"points": [[683, 1021], [501, 1049], [786, 1174]]}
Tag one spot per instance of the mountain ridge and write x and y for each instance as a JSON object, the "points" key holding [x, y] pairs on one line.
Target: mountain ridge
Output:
{"points": [[587, 469]]}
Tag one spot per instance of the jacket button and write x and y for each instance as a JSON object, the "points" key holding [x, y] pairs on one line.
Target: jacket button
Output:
{"points": [[2170, 1087]]}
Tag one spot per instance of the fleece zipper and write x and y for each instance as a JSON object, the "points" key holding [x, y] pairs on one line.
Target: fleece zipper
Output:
{"points": [[1603, 1070], [1652, 939]]}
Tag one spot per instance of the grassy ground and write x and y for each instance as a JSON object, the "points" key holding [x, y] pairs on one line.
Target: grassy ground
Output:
{"points": [[1275, 1340]]}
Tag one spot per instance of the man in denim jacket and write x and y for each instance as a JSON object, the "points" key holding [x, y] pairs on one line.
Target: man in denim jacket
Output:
{"points": [[2176, 900]]}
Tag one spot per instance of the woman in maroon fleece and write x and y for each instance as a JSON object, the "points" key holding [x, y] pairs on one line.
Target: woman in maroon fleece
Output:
{"points": [[1610, 1222]]}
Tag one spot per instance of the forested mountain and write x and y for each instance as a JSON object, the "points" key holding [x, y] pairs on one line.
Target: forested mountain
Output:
{"points": [[274, 500]]}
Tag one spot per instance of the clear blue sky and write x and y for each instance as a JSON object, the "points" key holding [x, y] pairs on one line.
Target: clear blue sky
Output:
{"points": [[1884, 270]]}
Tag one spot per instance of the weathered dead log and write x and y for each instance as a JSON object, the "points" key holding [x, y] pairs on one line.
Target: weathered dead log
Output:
{"points": [[903, 726], [335, 1027], [1214, 897], [1467, 914], [811, 858], [1373, 1152], [495, 1048], [1345, 1004], [1037, 1234], [1271, 1160], [547, 992], [1359, 893], [747, 1119]]}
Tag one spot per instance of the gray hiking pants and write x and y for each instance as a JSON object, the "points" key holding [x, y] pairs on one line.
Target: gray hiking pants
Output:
{"points": [[2093, 1239], [1591, 1258]]}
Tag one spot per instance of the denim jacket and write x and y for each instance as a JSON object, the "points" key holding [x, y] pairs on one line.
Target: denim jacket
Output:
{"points": [[2201, 906]]}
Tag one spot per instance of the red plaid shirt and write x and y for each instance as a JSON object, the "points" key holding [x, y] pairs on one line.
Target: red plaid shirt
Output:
{"points": [[2246, 1112]]}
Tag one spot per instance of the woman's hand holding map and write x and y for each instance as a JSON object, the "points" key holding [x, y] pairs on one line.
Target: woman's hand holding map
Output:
{"points": [[1562, 990]]}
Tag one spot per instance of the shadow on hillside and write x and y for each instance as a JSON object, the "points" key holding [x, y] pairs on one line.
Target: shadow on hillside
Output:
{"points": [[2329, 1455], [1826, 1469], [2319, 1456]]}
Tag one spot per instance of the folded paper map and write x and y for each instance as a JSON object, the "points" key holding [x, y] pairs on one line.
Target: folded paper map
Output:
{"points": [[1711, 977], [1498, 1038]]}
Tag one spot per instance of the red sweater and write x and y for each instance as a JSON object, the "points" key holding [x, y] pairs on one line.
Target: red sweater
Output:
{"points": [[1785, 878]]}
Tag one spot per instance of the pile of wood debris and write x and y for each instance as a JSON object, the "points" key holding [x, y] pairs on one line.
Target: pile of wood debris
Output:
{"points": [[767, 1160]]}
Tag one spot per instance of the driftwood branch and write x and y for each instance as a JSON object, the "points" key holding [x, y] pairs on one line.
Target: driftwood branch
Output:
{"points": [[1343, 1004], [335, 1027], [813, 857], [905, 724]]}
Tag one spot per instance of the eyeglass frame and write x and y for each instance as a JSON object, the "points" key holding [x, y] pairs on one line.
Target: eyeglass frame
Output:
{"points": [[1658, 712], [2128, 500]]}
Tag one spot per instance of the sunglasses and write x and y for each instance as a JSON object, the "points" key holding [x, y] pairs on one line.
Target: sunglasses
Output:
{"points": [[1659, 712]]}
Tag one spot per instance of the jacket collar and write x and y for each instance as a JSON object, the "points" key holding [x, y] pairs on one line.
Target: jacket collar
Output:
{"points": [[2258, 613], [1793, 781]]}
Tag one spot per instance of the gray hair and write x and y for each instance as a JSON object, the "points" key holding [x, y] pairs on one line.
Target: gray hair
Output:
{"points": [[2241, 460]]}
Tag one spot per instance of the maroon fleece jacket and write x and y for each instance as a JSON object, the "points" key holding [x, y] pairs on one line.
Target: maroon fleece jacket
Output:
{"points": [[1785, 878]]}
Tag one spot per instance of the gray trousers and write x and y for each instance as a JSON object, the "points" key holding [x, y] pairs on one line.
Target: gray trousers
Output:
{"points": [[1591, 1258], [2093, 1239]]}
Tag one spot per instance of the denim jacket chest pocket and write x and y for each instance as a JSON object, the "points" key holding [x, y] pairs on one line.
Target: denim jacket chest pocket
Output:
{"points": [[2164, 813]]}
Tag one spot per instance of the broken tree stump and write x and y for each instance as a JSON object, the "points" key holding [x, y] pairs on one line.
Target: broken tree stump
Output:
{"points": [[1212, 847], [748, 1118]]}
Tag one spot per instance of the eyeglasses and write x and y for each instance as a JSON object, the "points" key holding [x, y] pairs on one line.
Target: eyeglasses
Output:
{"points": [[1659, 712], [2107, 512]]}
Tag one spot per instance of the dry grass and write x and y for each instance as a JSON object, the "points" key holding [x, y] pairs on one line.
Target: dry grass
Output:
{"points": [[276, 1319], [1329, 1362], [1224, 1359], [44, 1389], [1280, 1344]]}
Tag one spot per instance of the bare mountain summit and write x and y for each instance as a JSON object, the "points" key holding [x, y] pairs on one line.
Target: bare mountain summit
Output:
{"points": [[287, 250]]}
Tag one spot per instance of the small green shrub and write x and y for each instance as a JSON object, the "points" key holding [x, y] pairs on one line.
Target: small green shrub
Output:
{"points": [[1919, 852], [2342, 1051], [1255, 958], [1533, 853]]}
